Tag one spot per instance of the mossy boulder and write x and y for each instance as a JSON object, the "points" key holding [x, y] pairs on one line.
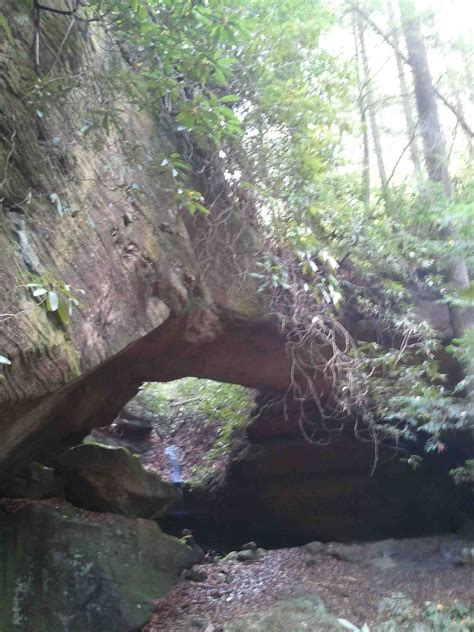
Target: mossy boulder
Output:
{"points": [[112, 479], [64, 568]]}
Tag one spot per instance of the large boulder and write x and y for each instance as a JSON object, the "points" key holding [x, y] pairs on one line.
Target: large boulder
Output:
{"points": [[63, 568], [135, 421], [112, 479]]}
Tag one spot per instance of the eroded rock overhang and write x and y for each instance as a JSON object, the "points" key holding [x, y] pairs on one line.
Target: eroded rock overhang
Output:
{"points": [[158, 296]]}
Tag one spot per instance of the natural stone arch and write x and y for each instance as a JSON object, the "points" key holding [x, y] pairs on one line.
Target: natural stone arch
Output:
{"points": [[208, 344]]}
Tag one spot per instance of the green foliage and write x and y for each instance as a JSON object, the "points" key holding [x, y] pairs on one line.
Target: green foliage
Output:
{"points": [[315, 271], [216, 401], [56, 298], [228, 405], [413, 398], [155, 398], [200, 402], [179, 58], [404, 615], [464, 474]]}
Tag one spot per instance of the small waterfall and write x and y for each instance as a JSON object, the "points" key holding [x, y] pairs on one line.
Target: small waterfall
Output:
{"points": [[172, 454]]}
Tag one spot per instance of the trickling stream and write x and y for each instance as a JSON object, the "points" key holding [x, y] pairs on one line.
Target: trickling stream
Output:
{"points": [[172, 454]]}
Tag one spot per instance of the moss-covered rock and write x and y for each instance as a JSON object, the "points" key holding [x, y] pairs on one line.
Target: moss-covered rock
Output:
{"points": [[105, 478], [63, 568]]}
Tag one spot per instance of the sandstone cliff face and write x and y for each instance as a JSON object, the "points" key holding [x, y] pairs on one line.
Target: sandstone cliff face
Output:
{"points": [[283, 491], [85, 203]]}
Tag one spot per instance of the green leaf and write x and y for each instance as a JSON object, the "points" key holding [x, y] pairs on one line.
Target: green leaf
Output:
{"points": [[201, 208], [186, 118], [52, 302], [39, 292], [229, 98]]}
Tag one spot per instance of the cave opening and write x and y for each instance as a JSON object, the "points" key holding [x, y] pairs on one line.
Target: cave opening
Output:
{"points": [[245, 473], [187, 430], [193, 433]]}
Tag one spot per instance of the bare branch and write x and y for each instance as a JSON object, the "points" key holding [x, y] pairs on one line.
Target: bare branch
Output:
{"points": [[459, 117], [42, 7], [375, 27]]}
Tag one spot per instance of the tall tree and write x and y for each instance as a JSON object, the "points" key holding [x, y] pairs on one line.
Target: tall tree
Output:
{"points": [[405, 94], [369, 100], [434, 148], [362, 103]]}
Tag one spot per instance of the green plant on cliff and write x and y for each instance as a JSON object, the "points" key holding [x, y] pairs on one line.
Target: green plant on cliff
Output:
{"points": [[56, 298], [391, 249], [178, 56]]}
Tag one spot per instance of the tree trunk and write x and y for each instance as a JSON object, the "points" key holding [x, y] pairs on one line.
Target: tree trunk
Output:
{"points": [[369, 102], [365, 188], [434, 149], [406, 97]]}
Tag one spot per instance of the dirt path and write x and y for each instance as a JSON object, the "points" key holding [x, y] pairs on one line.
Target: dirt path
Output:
{"points": [[422, 570]]}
